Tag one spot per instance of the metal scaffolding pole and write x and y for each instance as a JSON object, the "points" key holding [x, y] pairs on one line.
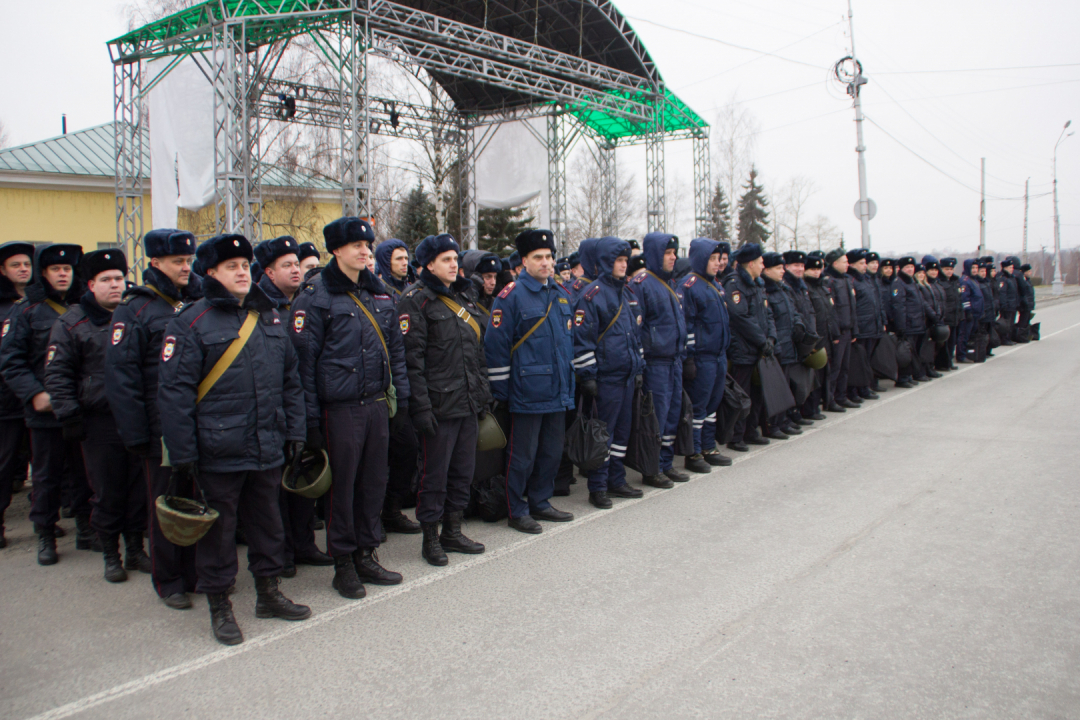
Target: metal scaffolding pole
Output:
{"points": [[128, 136], [702, 184], [470, 213], [354, 121], [654, 175], [609, 188], [236, 133], [558, 147]]}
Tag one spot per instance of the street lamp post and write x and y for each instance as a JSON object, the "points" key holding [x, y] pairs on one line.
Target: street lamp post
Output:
{"points": [[1058, 285]]}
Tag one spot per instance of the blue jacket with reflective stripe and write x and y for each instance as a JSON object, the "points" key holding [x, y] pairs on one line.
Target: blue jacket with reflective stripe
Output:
{"points": [[663, 326], [618, 355], [708, 331]]}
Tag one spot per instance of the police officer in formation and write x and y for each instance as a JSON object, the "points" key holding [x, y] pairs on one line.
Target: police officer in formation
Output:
{"points": [[795, 278], [843, 295], [869, 315], [16, 269], [949, 282], [828, 329]]}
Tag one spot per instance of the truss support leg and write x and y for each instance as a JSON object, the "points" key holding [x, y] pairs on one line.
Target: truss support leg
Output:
{"points": [[470, 213], [355, 120], [654, 182], [128, 136], [609, 207], [702, 184], [558, 147]]}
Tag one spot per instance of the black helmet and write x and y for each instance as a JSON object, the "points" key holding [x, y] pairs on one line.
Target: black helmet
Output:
{"points": [[939, 333]]}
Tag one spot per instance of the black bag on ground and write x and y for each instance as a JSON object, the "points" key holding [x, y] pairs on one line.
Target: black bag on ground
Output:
{"points": [[803, 381], [994, 338], [643, 449], [980, 342], [684, 434], [488, 499], [734, 406], [774, 387], [903, 355], [587, 440], [883, 361], [927, 351], [859, 372], [1035, 332]]}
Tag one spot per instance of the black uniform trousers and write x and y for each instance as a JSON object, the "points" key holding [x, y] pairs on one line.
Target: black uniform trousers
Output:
{"points": [[251, 496], [446, 468], [11, 439], [533, 451], [745, 428], [1010, 322], [356, 441], [404, 449], [869, 346], [1023, 324], [298, 520], [172, 568], [839, 360], [55, 459], [820, 395], [946, 353], [116, 477], [965, 333]]}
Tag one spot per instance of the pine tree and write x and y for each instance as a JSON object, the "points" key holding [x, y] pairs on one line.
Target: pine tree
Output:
{"points": [[417, 217], [719, 216], [499, 228], [753, 217]]}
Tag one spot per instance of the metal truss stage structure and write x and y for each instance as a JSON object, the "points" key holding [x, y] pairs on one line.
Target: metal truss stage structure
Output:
{"points": [[576, 63]]}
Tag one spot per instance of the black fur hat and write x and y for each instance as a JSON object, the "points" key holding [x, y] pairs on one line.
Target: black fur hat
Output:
{"points": [[168, 241], [220, 248], [347, 230], [533, 240], [99, 261], [433, 246], [306, 250], [268, 251]]}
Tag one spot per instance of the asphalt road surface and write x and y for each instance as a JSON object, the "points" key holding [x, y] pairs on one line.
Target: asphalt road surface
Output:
{"points": [[916, 558]]}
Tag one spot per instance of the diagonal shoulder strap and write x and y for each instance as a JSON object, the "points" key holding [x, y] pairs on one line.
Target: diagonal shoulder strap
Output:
{"points": [[60, 309], [175, 303], [712, 285], [461, 313], [230, 355], [532, 329], [610, 324], [666, 286], [378, 330]]}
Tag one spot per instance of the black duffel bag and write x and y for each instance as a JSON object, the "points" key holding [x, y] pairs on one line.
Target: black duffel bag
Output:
{"points": [[684, 434], [859, 373], [734, 406], [587, 440], [995, 339], [883, 361], [904, 355], [488, 501], [803, 381], [774, 387], [928, 350], [643, 448]]}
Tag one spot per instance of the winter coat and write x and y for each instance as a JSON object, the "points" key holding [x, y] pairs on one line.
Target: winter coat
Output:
{"points": [[383, 252], [950, 287], [972, 302], [932, 304], [283, 303], [803, 303], [821, 296], [75, 364], [443, 353], [11, 408], [663, 325], [607, 319], [537, 377], [751, 322], [907, 307], [990, 310], [704, 302], [869, 319], [787, 320], [1008, 293], [1026, 293], [343, 361], [844, 297]]}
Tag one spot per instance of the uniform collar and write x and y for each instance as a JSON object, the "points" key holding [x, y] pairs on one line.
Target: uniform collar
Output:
{"points": [[532, 283], [97, 314]]}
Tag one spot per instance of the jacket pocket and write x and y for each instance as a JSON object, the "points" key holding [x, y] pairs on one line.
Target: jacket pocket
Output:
{"points": [[223, 436], [338, 379], [536, 383]]}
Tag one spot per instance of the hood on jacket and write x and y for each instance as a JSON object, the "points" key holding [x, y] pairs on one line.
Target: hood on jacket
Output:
{"points": [[968, 264], [607, 249], [653, 247], [38, 289], [587, 256], [383, 251], [700, 251]]}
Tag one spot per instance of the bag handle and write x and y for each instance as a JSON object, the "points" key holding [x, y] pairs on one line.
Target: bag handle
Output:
{"points": [[532, 329], [230, 355], [461, 313]]}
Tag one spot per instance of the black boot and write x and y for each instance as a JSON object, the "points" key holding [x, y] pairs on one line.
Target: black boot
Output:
{"points": [[46, 554], [345, 580], [369, 570], [269, 602], [110, 549], [696, 463], [85, 538], [431, 550], [135, 558], [222, 622], [452, 540], [717, 459], [394, 521]]}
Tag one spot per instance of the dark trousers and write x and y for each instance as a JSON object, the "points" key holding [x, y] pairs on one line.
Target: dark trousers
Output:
{"points": [[1025, 319], [706, 391], [839, 360], [11, 439], [55, 459], [947, 352], [172, 568], [820, 395], [446, 468], [664, 381], [533, 451], [356, 441], [564, 476], [1010, 321], [298, 521], [868, 345], [746, 428], [251, 496], [401, 462], [965, 331], [614, 406], [116, 477]]}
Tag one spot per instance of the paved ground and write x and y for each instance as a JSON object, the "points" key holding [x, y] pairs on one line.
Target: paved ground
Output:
{"points": [[917, 558]]}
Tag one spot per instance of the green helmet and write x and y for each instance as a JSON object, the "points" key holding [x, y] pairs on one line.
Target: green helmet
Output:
{"points": [[489, 435], [816, 359], [310, 477], [183, 521]]}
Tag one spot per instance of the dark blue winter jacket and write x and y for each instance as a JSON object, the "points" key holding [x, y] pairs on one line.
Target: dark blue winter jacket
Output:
{"points": [[907, 307], [751, 322], [587, 258], [707, 327], [663, 325], [786, 318], [869, 317], [606, 316]]}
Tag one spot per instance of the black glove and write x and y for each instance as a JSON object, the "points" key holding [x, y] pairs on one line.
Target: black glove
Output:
{"points": [[142, 449], [589, 388], [689, 369], [315, 438], [639, 380], [293, 450], [182, 473], [798, 332], [769, 347], [425, 423], [398, 421], [74, 429]]}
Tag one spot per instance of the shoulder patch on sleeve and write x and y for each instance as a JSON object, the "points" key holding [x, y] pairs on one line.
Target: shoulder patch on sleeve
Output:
{"points": [[403, 323], [506, 290]]}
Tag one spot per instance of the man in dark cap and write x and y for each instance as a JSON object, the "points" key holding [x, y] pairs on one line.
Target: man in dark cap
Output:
{"points": [[75, 381], [869, 325], [16, 269], [990, 299], [281, 280], [529, 349], [949, 282], [969, 339], [795, 278], [23, 356], [515, 264], [1026, 291], [753, 336], [827, 328], [132, 359], [562, 273], [484, 274], [908, 312], [635, 248], [443, 331], [843, 292], [352, 361], [1009, 297], [663, 338], [310, 258], [229, 378], [790, 329], [392, 266], [575, 263]]}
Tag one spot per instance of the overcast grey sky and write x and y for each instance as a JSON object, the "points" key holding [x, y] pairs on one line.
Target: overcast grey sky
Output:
{"points": [[54, 60]]}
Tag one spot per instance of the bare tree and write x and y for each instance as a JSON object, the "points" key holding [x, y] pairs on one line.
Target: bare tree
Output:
{"points": [[821, 234], [790, 210], [583, 201], [733, 137]]}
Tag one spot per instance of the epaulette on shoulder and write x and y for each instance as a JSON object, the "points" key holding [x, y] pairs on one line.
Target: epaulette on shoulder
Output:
{"points": [[409, 292], [187, 308], [690, 280], [21, 301], [506, 290], [640, 277], [591, 293]]}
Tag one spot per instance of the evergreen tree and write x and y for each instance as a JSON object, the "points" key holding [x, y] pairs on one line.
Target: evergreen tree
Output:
{"points": [[719, 216], [499, 228], [417, 218], [753, 217]]}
